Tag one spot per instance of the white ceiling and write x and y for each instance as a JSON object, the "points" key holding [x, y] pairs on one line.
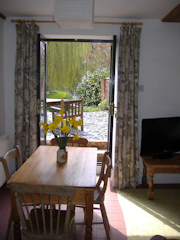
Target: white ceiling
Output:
{"points": [[136, 9]]}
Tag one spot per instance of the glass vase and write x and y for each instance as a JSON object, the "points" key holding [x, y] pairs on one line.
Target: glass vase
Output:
{"points": [[62, 155]]}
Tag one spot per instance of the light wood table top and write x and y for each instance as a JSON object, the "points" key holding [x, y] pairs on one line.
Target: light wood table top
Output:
{"points": [[42, 168]]}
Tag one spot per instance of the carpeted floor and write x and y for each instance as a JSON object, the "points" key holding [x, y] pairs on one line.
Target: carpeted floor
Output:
{"points": [[145, 218]]}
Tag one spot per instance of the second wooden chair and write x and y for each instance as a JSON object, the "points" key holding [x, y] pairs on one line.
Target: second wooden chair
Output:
{"points": [[8, 157], [100, 192]]}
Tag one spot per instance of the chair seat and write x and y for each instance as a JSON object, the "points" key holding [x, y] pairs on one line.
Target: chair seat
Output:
{"points": [[96, 195], [39, 233]]}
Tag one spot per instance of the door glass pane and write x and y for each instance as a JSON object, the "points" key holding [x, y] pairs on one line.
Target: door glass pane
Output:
{"points": [[43, 115], [72, 70]]}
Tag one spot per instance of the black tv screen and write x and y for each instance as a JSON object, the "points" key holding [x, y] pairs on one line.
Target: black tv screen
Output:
{"points": [[160, 137]]}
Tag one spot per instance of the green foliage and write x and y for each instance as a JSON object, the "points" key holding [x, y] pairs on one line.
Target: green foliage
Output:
{"points": [[65, 65], [90, 109], [67, 62], [90, 86], [98, 55], [104, 105], [59, 94]]}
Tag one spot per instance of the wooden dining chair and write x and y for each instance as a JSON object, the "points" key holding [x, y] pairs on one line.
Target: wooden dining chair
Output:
{"points": [[100, 192], [81, 142], [40, 222], [6, 159]]}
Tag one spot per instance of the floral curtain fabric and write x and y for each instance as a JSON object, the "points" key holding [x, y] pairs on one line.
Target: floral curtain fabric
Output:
{"points": [[126, 151], [26, 88]]}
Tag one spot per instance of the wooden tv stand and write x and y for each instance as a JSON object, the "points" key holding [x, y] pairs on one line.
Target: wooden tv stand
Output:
{"points": [[170, 165]]}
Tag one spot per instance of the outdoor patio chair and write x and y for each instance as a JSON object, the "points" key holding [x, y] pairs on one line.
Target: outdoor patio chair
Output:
{"points": [[8, 157], [42, 223], [100, 191], [72, 108]]}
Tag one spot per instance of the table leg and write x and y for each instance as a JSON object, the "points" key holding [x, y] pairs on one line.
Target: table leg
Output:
{"points": [[16, 220], [150, 190], [89, 215], [144, 178]]}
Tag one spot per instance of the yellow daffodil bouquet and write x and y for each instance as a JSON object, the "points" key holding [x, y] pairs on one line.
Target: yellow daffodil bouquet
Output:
{"points": [[61, 128]]}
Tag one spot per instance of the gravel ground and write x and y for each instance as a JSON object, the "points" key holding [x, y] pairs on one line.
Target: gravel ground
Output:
{"points": [[95, 125]]}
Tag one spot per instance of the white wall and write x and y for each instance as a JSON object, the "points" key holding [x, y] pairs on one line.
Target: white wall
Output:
{"points": [[160, 75], [159, 71]]}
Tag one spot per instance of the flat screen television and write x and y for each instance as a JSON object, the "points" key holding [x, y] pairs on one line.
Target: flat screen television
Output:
{"points": [[160, 137]]}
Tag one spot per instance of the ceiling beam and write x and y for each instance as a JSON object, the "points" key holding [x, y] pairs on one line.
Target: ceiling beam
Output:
{"points": [[2, 16], [173, 16]]}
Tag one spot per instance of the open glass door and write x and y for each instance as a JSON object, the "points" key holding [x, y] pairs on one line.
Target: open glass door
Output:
{"points": [[42, 91], [111, 96], [48, 61]]}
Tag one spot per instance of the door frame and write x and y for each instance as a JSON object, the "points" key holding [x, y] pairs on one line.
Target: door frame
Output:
{"points": [[112, 75]]}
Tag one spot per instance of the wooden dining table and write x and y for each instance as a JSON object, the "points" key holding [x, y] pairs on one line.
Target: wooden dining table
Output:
{"points": [[42, 168]]}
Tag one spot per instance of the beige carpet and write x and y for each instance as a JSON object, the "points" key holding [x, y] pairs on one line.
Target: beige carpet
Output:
{"points": [[145, 218]]}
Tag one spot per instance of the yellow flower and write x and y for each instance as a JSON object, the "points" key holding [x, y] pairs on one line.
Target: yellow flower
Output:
{"points": [[45, 127], [52, 126], [55, 123], [67, 122], [58, 119], [72, 121], [64, 126], [41, 124], [61, 111], [76, 137], [80, 122], [65, 129], [75, 125], [45, 131]]}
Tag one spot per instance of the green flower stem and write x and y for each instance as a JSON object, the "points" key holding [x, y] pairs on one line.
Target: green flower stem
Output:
{"points": [[61, 141]]}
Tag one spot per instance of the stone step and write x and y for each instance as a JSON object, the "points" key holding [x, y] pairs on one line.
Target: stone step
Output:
{"points": [[100, 144]]}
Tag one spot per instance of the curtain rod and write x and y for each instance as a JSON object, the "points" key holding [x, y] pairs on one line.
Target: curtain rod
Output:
{"points": [[51, 21]]}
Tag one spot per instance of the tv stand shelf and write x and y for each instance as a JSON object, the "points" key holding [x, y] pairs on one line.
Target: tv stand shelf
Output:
{"points": [[170, 165]]}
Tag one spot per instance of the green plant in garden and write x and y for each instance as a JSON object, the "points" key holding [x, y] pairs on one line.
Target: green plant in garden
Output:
{"points": [[104, 105], [59, 94], [67, 62], [90, 86], [90, 109]]}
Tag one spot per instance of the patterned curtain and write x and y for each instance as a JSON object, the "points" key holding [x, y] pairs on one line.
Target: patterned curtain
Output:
{"points": [[26, 88], [126, 170]]}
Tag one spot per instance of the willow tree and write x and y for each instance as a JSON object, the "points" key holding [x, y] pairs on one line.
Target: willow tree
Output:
{"points": [[68, 62]]}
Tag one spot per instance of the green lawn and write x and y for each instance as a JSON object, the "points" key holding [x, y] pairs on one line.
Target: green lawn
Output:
{"points": [[65, 95], [58, 94]]}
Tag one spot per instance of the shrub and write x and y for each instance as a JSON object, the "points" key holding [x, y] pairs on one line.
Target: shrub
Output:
{"points": [[90, 87], [104, 105]]}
